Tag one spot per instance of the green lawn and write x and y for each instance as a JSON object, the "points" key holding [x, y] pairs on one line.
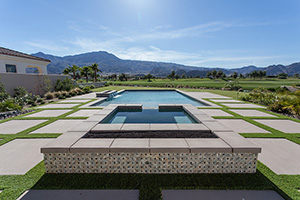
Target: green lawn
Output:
{"points": [[150, 185], [247, 84]]}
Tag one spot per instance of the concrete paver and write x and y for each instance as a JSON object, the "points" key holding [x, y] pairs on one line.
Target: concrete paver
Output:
{"points": [[205, 95], [59, 126], [241, 126], [84, 113], [280, 155], [85, 96], [15, 126], [242, 105], [252, 113], [92, 145], [227, 100], [221, 195], [130, 145], [82, 194], [48, 113], [74, 101], [216, 112], [20, 155], [286, 126], [58, 105], [168, 145]]}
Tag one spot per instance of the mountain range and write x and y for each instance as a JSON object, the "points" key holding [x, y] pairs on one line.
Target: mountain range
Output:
{"points": [[110, 64]]}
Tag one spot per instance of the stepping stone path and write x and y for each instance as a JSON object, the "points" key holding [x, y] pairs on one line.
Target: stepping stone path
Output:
{"points": [[84, 113], [59, 126], [15, 126], [241, 126], [58, 105], [82, 194], [74, 101], [221, 195], [280, 155], [286, 126], [242, 105], [216, 112], [252, 113], [20, 155], [48, 113]]}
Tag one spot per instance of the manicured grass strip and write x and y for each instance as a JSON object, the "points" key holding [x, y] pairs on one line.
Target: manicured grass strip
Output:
{"points": [[286, 183], [15, 185], [40, 135]]}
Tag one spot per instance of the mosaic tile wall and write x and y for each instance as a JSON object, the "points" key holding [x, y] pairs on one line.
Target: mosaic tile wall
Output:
{"points": [[150, 162]]}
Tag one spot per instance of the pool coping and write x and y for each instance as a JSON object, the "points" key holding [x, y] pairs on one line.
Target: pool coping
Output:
{"points": [[228, 141]]}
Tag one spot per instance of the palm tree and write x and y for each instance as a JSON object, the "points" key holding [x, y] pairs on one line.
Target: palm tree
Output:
{"points": [[73, 70], [95, 68], [84, 71]]}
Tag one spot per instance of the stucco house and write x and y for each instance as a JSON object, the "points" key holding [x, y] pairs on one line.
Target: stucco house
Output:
{"points": [[17, 62]]}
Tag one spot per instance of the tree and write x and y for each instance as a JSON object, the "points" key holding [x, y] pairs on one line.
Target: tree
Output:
{"points": [[241, 75], [261, 74], [122, 77], [176, 76], [234, 75], [95, 68], [84, 71], [214, 74], [282, 76], [183, 76], [220, 74], [208, 74], [149, 76], [172, 75], [71, 69]]}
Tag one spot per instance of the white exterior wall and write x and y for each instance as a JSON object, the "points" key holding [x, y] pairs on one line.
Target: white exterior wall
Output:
{"points": [[22, 64]]}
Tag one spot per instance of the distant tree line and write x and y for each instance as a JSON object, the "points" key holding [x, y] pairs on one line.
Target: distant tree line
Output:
{"points": [[85, 71]]}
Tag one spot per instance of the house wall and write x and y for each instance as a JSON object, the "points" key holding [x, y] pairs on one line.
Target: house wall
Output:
{"points": [[22, 64], [34, 83]]}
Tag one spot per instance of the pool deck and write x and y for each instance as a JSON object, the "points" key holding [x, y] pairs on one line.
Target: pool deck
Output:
{"points": [[278, 154], [228, 145]]}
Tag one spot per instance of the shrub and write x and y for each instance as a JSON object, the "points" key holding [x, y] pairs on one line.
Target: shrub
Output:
{"points": [[86, 89], [57, 94], [21, 96], [64, 93], [65, 85], [68, 95], [49, 95], [3, 94], [9, 105], [61, 97], [92, 86]]}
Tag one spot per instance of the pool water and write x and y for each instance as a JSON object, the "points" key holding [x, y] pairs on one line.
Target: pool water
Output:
{"points": [[150, 98], [149, 116]]}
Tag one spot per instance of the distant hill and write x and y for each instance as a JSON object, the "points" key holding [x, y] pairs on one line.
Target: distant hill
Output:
{"points": [[110, 64]]}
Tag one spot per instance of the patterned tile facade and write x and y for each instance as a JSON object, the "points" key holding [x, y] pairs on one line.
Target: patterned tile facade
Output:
{"points": [[150, 162]]}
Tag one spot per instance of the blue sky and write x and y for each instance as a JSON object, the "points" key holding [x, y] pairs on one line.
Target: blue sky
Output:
{"points": [[210, 33]]}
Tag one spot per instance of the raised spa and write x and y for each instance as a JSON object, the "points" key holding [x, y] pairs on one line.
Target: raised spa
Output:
{"points": [[177, 116]]}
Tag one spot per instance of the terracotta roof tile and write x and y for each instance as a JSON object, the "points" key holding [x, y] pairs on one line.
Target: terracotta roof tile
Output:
{"points": [[9, 52]]}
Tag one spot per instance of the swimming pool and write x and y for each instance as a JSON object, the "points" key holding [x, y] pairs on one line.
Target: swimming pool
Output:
{"points": [[150, 98], [149, 116]]}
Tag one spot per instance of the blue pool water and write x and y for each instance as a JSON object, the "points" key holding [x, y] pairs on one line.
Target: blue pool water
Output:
{"points": [[149, 116], [150, 98]]}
